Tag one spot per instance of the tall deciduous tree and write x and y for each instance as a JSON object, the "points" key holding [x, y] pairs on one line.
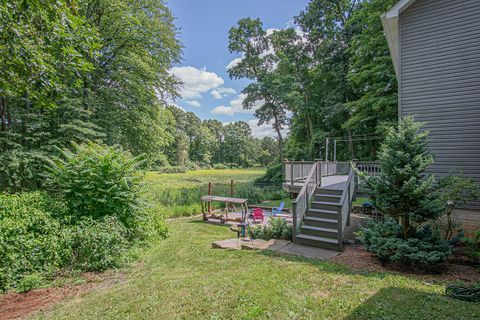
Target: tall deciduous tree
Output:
{"points": [[250, 39]]}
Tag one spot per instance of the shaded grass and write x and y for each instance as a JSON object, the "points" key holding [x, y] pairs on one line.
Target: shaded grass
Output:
{"points": [[360, 201], [183, 278]]}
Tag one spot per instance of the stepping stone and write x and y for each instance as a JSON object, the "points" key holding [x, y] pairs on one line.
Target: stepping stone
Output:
{"points": [[235, 244], [259, 244], [308, 252]]}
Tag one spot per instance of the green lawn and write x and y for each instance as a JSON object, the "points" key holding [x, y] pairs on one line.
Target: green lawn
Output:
{"points": [[183, 278]]}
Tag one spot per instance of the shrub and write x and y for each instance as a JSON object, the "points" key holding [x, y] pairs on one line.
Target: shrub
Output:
{"points": [[277, 228], [170, 170], [30, 282], [219, 166], [274, 175], [453, 190], [97, 181], [97, 245], [423, 249], [31, 239], [472, 246]]}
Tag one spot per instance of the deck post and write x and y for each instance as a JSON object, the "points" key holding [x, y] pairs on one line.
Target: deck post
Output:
{"points": [[294, 215], [209, 193], [291, 173]]}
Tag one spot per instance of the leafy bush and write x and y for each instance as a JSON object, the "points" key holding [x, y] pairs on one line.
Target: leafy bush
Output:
{"points": [[274, 175], [423, 249], [31, 239], [30, 282], [97, 181], [219, 166], [453, 190], [98, 245], [173, 170], [277, 228], [472, 246]]}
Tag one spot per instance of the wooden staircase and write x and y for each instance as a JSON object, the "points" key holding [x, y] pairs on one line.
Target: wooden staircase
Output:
{"points": [[321, 211], [320, 222]]}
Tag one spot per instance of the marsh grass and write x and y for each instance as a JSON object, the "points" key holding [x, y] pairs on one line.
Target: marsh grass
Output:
{"points": [[178, 194]]}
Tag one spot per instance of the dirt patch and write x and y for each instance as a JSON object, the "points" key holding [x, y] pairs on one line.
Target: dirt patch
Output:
{"points": [[357, 259], [20, 305]]}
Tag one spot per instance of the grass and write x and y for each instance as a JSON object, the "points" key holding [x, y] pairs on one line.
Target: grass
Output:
{"points": [[193, 179], [183, 278], [176, 195], [360, 201]]}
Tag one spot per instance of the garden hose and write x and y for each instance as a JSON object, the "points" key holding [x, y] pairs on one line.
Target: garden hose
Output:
{"points": [[464, 293]]}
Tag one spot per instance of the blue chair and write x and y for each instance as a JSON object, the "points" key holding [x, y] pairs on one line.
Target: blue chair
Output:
{"points": [[278, 210]]}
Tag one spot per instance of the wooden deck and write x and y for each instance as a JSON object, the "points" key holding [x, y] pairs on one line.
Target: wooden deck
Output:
{"points": [[336, 182]]}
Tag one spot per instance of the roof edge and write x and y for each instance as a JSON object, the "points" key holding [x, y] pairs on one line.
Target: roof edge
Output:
{"points": [[390, 21]]}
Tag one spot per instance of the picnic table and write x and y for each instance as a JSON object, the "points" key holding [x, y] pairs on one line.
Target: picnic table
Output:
{"points": [[207, 213]]}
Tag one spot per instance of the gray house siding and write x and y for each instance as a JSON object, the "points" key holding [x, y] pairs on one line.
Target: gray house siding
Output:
{"points": [[439, 79]]}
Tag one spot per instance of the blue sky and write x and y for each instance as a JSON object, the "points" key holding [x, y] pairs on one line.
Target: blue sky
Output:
{"points": [[204, 26]]}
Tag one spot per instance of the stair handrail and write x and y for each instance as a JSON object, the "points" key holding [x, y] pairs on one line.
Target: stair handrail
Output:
{"points": [[346, 205], [301, 203]]}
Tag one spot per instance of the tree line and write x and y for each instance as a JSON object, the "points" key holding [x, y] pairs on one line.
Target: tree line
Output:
{"points": [[99, 70], [331, 72]]}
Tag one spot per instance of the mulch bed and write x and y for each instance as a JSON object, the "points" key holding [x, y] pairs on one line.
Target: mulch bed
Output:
{"points": [[357, 259], [19, 305]]}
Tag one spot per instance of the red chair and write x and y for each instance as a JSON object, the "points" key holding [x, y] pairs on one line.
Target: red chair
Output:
{"points": [[258, 215]]}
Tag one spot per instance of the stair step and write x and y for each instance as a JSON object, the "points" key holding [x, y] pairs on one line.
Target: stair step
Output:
{"points": [[319, 231], [326, 205], [315, 241], [321, 203], [323, 191], [316, 211], [321, 222], [327, 198]]}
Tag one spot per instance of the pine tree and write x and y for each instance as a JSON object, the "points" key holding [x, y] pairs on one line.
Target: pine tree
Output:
{"points": [[402, 189]]}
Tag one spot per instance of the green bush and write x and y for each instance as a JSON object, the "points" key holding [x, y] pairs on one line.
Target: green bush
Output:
{"points": [[97, 181], [219, 166], [423, 249], [274, 175], [30, 282], [98, 245], [31, 238], [472, 246], [277, 228], [173, 170]]}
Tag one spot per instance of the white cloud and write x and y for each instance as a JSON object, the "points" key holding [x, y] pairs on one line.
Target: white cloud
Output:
{"points": [[196, 81], [193, 103], [265, 130], [235, 106], [233, 63], [222, 92], [222, 110], [216, 94]]}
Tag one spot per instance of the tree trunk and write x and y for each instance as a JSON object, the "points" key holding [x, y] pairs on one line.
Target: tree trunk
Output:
{"points": [[405, 226], [280, 144], [350, 143], [3, 112], [276, 127]]}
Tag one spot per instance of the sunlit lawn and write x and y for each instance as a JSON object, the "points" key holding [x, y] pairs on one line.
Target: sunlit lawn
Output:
{"points": [[179, 194], [197, 178], [183, 278]]}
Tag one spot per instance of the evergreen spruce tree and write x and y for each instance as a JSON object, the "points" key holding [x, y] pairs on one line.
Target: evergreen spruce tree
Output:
{"points": [[402, 189]]}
